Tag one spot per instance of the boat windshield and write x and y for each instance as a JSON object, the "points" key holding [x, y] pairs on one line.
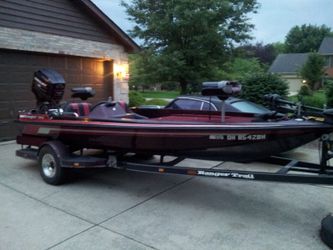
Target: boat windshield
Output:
{"points": [[249, 107]]}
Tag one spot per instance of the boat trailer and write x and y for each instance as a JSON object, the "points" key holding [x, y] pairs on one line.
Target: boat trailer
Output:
{"points": [[291, 171]]}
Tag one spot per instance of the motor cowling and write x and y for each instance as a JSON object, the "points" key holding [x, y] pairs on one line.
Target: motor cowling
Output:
{"points": [[49, 87]]}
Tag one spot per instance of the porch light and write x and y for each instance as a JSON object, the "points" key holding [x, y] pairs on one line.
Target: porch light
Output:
{"points": [[121, 71]]}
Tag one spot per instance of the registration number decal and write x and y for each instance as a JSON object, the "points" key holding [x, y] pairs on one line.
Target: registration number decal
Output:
{"points": [[238, 137]]}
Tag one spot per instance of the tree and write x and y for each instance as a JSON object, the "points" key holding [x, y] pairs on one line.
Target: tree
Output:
{"points": [[279, 47], [238, 68], [313, 70], [264, 53], [306, 38], [189, 39], [141, 77], [255, 86]]}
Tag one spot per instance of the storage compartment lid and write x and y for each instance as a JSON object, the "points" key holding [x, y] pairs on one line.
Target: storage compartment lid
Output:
{"points": [[222, 89]]}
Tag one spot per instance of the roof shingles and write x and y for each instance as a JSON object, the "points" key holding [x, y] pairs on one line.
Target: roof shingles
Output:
{"points": [[288, 63], [326, 47]]}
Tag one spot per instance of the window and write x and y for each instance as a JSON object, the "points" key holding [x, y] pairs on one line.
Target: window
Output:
{"points": [[208, 107], [329, 61], [187, 104], [249, 107]]}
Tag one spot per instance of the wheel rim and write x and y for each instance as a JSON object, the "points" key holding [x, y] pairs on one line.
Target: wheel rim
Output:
{"points": [[49, 165]]}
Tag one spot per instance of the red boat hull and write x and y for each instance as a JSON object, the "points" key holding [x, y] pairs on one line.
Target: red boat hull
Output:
{"points": [[241, 141]]}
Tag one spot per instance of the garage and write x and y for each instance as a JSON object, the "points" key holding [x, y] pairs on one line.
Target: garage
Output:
{"points": [[76, 39], [16, 70]]}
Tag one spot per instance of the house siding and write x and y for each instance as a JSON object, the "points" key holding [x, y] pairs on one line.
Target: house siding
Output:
{"points": [[294, 82], [59, 17], [18, 39]]}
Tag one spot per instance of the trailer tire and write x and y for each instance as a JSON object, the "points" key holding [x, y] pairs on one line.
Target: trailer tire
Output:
{"points": [[326, 232], [49, 166]]}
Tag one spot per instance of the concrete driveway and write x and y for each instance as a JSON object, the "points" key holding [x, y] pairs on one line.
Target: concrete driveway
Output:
{"points": [[113, 209]]}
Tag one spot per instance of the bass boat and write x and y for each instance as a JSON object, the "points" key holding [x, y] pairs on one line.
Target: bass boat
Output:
{"points": [[112, 126]]}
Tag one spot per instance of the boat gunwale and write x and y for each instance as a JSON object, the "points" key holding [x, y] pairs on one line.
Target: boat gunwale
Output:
{"points": [[163, 125]]}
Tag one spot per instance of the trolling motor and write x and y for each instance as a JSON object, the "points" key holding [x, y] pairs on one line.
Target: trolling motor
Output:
{"points": [[298, 109], [223, 90], [284, 106]]}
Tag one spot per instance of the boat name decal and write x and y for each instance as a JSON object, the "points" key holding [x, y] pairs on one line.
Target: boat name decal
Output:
{"points": [[238, 137], [32, 117], [231, 175]]}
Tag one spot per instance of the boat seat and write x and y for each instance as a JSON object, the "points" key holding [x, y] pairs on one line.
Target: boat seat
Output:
{"points": [[80, 108]]}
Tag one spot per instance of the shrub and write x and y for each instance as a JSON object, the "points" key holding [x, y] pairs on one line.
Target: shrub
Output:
{"points": [[329, 93], [314, 101], [254, 87], [135, 99], [305, 90]]}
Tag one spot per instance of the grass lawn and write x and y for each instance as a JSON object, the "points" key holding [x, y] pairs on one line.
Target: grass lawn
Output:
{"points": [[317, 99], [160, 102], [160, 94]]}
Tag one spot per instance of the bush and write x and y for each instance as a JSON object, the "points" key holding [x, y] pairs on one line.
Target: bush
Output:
{"points": [[329, 93], [254, 87], [317, 99], [305, 91], [314, 101], [135, 99]]}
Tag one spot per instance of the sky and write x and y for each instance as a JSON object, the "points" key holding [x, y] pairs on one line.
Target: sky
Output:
{"points": [[272, 22]]}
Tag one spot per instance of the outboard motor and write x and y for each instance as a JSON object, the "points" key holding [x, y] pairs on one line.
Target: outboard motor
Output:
{"points": [[49, 87], [223, 90]]}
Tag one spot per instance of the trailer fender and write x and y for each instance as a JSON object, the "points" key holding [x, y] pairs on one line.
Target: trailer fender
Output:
{"points": [[59, 148]]}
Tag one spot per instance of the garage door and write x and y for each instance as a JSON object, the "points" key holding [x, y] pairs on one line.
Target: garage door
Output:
{"points": [[16, 70]]}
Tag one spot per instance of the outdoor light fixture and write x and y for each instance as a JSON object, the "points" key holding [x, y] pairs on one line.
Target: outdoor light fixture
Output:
{"points": [[121, 71], [304, 81]]}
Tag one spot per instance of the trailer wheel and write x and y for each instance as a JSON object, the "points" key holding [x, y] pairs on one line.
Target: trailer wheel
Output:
{"points": [[326, 231], [49, 166]]}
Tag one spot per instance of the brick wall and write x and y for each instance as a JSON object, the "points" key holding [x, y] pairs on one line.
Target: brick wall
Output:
{"points": [[24, 40]]}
